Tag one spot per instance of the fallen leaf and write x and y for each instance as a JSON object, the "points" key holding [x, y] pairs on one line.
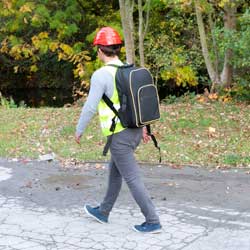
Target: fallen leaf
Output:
{"points": [[89, 137], [28, 184], [98, 166], [174, 166], [211, 131], [213, 96]]}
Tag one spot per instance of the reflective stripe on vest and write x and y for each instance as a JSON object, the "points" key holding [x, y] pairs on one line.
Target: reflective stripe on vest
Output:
{"points": [[105, 113]]}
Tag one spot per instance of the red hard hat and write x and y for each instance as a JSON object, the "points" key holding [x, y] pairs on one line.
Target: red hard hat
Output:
{"points": [[107, 36]]}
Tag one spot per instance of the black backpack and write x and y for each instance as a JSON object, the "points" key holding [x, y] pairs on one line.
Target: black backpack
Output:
{"points": [[139, 101]]}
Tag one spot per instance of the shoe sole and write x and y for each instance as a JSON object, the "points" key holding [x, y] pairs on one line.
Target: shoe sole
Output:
{"points": [[92, 216], [152, 232]]}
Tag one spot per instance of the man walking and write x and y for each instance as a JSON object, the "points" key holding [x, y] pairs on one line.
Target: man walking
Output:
{"points": [[124, 140]]}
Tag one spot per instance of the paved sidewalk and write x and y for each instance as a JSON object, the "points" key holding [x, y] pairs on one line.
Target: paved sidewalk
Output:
{"points": [[41, 208]]}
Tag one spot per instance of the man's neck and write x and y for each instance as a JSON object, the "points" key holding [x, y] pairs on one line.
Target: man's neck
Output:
{"points": [[109, 59]]}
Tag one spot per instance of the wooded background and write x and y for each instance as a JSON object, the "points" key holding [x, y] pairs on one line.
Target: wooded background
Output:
{"points": [[189, 45]]}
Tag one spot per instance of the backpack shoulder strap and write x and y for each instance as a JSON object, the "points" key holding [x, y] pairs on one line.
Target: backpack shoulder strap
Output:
{"points": [[110, 104], [113, 125], [154, 140]]}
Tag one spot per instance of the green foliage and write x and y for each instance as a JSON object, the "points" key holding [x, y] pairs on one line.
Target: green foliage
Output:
{"points": [[7, 104], [235, 159], [47, 29], [49, 43], [169, 53], [241, 59], [224, 37], [186, 98], [237, 40], [239, 92], [241, 44]]}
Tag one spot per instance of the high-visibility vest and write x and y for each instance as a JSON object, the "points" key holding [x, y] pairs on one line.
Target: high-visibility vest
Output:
{"points": [[105, 113]]}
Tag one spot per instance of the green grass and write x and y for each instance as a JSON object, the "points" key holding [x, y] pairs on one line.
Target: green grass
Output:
{"points": [[190, 133]]}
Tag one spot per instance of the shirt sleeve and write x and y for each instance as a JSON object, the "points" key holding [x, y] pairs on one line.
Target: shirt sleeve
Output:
{"points": [[101, 82]]}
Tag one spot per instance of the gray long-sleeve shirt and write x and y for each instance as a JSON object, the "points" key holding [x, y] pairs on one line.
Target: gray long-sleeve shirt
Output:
{"points": [[101, 82]]}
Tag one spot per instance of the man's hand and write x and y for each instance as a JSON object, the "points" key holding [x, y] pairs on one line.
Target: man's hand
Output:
{"points": [[77, 138], [145, 137]]}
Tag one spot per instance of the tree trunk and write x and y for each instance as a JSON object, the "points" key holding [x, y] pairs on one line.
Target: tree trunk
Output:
{"points": [[140, 33], [214, 77], [142, 29], [216, 52], [126, 10], [229, 25]]}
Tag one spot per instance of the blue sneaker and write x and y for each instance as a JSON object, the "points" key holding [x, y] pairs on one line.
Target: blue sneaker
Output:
{"points": [[148, 228], [96, 214]]}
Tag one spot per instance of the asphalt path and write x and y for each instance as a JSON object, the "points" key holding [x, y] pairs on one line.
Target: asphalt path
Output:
{"points": [[41, 207]]}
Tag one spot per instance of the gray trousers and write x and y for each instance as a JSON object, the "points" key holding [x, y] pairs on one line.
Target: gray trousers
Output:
{"points": [[123, 165]]}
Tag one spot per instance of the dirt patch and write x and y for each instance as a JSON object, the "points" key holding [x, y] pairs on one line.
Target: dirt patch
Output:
{"points": [[72, 181]]}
